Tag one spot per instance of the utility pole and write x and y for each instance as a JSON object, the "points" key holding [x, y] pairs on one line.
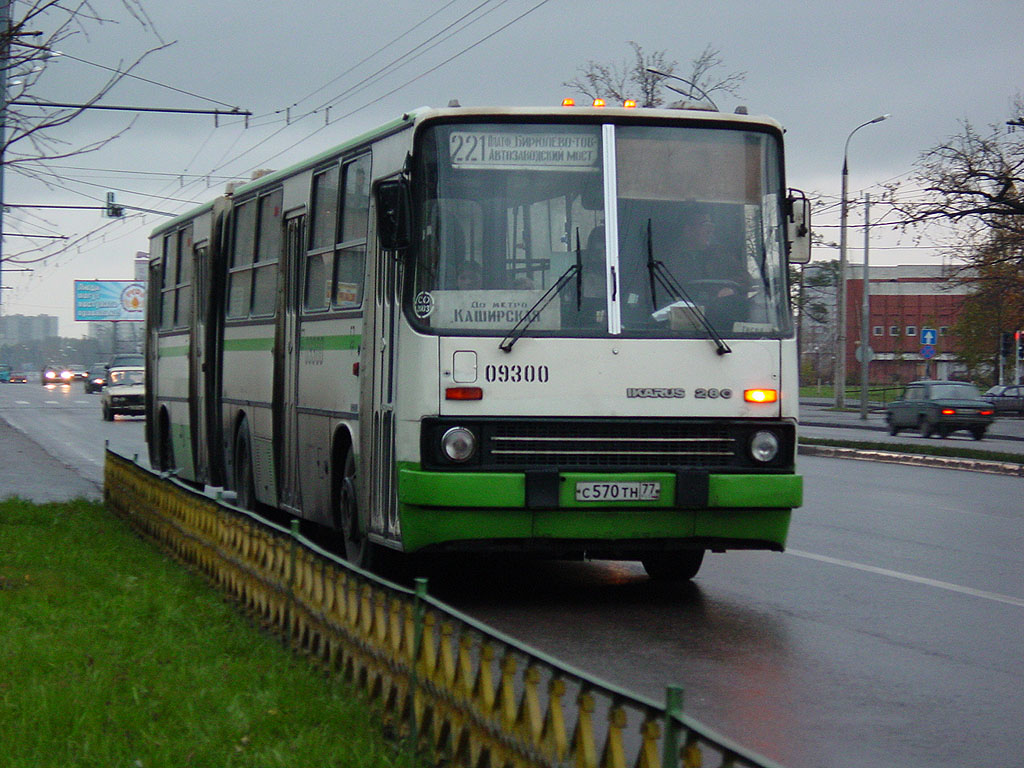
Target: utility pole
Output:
{"points": [[5, 57]]}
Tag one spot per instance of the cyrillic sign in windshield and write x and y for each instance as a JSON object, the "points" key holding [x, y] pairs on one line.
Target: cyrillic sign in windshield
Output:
{"points": [[523, 151]]}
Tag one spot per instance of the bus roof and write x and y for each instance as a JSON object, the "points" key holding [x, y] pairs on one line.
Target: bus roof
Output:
{"points": [[430, 114]]}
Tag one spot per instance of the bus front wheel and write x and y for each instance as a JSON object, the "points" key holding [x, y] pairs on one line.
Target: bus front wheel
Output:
{"points": [[681, 565]]}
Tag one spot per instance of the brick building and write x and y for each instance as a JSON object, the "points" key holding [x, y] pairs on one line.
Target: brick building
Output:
{"points": [[903, 301]]}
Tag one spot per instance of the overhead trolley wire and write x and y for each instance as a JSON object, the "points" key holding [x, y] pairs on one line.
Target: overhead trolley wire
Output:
{"points": [[402, 60]]}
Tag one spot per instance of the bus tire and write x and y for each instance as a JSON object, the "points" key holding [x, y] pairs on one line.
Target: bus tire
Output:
{"points": [[680, 565], [359, 550], [245, 485], [165, 449]]}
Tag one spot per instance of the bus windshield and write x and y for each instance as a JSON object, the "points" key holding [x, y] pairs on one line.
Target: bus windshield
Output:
{"points": [[504, 210]]}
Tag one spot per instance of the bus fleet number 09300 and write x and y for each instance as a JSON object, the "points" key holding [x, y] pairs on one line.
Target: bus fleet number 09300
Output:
{"points": [[516, 374]]}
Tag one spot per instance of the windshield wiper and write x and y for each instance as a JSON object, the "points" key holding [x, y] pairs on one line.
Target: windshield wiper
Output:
{"points": [[534, 312], [660, 274]]}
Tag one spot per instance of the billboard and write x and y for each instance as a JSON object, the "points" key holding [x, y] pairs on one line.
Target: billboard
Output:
{"points": [[110, 300]]}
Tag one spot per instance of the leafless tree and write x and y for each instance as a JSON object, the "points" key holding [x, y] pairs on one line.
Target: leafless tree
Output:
{"points": [[975, 181], [30, 43], [651, 79]]}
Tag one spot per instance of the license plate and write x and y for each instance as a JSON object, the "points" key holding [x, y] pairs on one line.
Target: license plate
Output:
{"points": [[599, 491]]}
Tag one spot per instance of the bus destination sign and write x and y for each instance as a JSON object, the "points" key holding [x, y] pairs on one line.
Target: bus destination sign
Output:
{"points": [[502, 150]]}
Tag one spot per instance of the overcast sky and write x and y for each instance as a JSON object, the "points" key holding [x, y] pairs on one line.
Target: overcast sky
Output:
{"points": [[819, 68]]}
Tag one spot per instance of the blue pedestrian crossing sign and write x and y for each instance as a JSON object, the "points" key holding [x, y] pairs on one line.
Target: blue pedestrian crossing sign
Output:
{"points": [[929, 337]]}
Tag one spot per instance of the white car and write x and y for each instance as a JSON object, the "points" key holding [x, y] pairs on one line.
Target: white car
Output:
{"points": [[125, 393]]}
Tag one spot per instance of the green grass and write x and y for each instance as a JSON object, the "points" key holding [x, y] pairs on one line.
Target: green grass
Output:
{"points": [[111, 655], [876, 394]]}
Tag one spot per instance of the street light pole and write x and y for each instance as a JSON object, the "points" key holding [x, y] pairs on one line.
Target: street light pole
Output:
{"points": [[840, 368], [865, 316]]}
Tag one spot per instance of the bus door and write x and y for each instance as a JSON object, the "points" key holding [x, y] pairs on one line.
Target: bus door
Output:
{"points": [[286, 364], [197, 368], [383, 510], [155, 277]]}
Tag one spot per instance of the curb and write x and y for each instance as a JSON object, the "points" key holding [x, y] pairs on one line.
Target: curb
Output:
{"points": [[889, 457]]}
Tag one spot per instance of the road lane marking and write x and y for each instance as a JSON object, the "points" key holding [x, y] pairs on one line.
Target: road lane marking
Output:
{"points": [[995, 596]]}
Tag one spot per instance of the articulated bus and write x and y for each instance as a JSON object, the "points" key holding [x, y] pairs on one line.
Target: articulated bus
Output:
{"points": [[557, 332]]}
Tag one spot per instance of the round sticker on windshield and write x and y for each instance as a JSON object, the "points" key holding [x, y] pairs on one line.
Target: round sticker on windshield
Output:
{"points": [[424, 305]]}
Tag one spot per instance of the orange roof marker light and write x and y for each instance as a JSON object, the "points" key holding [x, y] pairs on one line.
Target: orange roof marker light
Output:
{"points": [[629, 103], [599, 102], [568, 102], [761, 395]]}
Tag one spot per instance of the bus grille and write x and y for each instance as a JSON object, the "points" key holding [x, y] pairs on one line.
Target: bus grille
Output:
{"points": [[566, 444], [599, 445]]}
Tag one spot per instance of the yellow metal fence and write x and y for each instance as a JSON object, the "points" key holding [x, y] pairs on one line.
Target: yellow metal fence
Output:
{"points": [[451, 688]]}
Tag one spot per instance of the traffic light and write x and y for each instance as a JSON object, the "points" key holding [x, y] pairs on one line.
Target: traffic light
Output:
{"points": [[1020, 344], [1005, 343], [113, 211]]}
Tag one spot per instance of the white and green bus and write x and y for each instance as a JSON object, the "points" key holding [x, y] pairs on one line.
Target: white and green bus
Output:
{"points": [[555, 332]]}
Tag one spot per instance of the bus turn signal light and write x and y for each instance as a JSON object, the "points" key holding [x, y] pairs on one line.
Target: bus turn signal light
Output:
{"points": [[761, 395], [464, 393]]}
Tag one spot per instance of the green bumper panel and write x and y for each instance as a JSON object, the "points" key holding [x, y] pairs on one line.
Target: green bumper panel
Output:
{"points": [[439, 507]]}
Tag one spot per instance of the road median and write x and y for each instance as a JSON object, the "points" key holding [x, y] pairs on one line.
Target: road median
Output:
{"points": [[932, 456]]}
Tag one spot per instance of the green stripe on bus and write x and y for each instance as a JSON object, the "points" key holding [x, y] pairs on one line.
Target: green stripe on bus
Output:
{"points": [[174, 351], [307, 343], [349, 341], [248, 345]]}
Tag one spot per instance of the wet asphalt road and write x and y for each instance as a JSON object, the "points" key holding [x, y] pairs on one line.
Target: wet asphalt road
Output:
{"points": [[888, 634]]}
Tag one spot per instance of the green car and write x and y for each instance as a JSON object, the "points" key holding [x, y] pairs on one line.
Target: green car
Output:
{"points": [[940, 407]]}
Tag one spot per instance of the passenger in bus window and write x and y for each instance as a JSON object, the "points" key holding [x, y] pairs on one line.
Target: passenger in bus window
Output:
{"points": [[594, 265], [590, 311], [468, 276], [522, 283]]}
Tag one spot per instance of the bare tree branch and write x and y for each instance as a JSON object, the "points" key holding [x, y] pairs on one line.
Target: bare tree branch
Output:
{"points": [[28, 55], [632, 79], [976, 182]]}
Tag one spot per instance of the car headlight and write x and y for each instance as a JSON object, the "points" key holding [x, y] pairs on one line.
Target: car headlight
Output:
{"points": [[764, 446], [458, 444]]}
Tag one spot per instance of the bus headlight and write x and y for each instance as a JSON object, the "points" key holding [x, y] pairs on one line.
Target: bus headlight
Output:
{"points": [[458, 444], [764, 446]]}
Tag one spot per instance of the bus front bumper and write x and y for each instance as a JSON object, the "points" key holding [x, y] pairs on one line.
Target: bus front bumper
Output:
{"points": [[446, 510]]}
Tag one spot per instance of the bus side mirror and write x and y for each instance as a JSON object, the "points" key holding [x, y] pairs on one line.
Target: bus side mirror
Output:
{"points": [[393, 219], [798, 227]]}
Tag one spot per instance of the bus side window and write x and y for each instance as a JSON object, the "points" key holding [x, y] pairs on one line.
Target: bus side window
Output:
{"points": [[268, 249], [240, 277], [350, 258], [170, 271]]}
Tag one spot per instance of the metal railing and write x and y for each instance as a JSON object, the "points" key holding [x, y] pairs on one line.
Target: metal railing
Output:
{"points": [[449, 687]]}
